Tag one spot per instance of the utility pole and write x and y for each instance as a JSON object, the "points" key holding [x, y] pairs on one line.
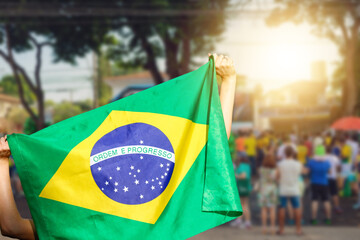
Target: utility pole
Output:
{"points": [[96, 77]]}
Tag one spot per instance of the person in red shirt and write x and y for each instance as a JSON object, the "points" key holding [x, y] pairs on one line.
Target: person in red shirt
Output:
{"points": [[308, 145], [240, 144]]}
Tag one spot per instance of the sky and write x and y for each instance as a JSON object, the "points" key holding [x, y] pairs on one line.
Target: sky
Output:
{"points": [[272, 57]]}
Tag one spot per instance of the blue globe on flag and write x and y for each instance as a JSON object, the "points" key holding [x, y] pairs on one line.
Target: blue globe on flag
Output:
{"points": [[132, 164]]}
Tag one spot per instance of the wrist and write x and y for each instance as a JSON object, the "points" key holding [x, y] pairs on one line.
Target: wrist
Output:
{"points": [[4, 160], [229, 78], [5, 154]]}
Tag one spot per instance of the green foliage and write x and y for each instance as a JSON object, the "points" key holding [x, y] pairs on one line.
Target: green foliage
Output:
{"points": [[65, 110], [70, 36], [9, 86], [105, 93], [29, 126], [85, 105], [17, 117], [176, 39]]}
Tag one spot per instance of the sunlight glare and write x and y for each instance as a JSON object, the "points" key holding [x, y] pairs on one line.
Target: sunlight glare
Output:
{"points": [[283, 61]]}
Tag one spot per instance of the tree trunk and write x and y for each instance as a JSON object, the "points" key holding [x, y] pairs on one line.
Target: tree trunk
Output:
{"points": [[171, 49], [151, 63], [350, 96], [151, 58], [185, 55], [40, 123]]}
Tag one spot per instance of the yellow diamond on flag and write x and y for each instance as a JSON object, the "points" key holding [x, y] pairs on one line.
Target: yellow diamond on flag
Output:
{"points": [[83, 180]]}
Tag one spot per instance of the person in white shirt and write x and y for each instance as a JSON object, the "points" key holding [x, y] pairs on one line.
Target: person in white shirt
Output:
{"points": [[318, 140], [354, 145], [335, 168], [288, 174], [280, 154]]}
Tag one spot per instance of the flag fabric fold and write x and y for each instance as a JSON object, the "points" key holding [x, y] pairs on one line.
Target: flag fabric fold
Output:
{"points": [[154, 165]]}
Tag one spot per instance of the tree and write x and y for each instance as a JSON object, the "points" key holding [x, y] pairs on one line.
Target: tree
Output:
{"points": [[150, 29], [17, 118], [23, 32], [191, 31], [9, 86], [337, 20], [65, 110]]}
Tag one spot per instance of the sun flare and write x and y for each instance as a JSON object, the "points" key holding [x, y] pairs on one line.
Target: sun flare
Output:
{"points": [[283, 61]]}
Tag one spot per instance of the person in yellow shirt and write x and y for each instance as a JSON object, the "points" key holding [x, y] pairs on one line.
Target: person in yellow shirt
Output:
{"points": [[263, 141], [302, 151], [345, 155], [328, 139], [266, 140], [250, 148], [356, 206]]}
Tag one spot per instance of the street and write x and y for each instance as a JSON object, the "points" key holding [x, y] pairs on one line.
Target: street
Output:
{"points": [[345, 226], [310, 233]]}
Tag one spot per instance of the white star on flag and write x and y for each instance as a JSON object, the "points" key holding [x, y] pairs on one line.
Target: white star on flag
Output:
{"points": [[118, 169], [99, 168], [134, 175], [152, 180], [146, 182], [116, 183], [168, 164], [160, 186], [138, 170], [152, 187], [106, 183], [161, 165], [167, 169], [141, 141], [162, 176], [165, 174], [110, 178], [132, 167], [141, 157], [157, 178], [115, 190], [136, 182], [159, 183], [126, 189], [141, 196]]}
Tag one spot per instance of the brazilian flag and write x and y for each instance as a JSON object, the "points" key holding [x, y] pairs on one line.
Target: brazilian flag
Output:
{"points": [[154, 165]]}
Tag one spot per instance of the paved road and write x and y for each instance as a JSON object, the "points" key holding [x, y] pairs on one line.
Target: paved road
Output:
{"points": [[345, 226], [310, 233]]}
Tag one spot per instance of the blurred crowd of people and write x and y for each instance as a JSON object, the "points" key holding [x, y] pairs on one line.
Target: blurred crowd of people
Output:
{"points": [[279, 168]]}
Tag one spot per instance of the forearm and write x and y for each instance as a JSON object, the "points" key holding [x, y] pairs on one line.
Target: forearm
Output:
{"points": [[11, 223], [227, 95]]}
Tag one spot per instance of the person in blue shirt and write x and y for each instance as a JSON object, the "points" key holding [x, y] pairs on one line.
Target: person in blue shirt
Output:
{"points": [[319, 168]]}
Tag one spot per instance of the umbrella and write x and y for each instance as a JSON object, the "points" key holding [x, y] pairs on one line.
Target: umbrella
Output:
{"points": [[347, 123]]}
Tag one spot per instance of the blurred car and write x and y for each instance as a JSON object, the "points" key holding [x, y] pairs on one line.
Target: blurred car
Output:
{"points": [[130, 90]]}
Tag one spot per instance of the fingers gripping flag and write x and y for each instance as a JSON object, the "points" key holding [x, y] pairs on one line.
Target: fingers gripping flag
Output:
{"points": [[155, 165]]}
